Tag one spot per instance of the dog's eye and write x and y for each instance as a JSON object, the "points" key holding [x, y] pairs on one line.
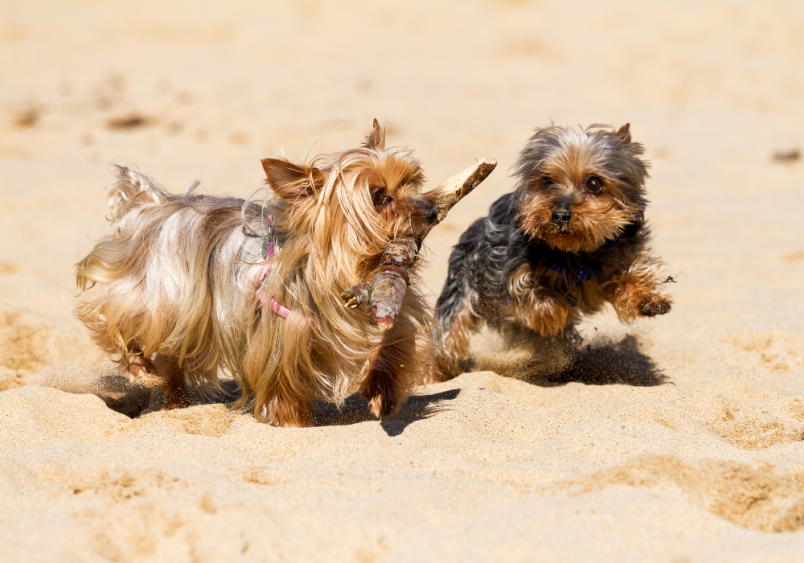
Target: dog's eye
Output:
{"points": [[594, 185], [378, 197], [547, 182]]}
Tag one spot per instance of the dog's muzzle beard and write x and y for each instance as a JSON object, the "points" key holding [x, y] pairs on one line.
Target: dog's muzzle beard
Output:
{"points": [[559, 233]]}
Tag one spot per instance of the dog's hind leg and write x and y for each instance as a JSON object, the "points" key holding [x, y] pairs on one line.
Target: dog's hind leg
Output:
{"points": [[279, 406], [280, 397], [172, 385], [452, 355]]}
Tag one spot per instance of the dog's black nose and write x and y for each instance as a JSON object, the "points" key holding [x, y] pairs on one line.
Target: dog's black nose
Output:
{"points": [[561, 217], [431, 214]]}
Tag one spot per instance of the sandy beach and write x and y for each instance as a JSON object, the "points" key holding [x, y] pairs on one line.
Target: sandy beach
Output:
{"points": [[676, 439]]}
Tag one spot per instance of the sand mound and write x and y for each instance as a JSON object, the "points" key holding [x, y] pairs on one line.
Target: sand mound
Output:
{"points": [[755, 498]]}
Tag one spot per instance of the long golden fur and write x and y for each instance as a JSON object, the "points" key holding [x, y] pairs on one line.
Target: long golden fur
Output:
{"points": [[179, 295]]}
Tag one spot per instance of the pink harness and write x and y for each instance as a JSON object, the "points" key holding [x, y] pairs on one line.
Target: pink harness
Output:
{"points": [[276, 307]]}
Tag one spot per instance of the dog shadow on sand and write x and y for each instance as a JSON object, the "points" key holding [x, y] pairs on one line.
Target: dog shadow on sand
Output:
{"points": [[550, 361], [420, 406], [133, 401], [598, 363], [610, 363]]}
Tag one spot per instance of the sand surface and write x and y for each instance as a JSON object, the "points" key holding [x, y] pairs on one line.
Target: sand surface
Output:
{"points": [[676, 439]]}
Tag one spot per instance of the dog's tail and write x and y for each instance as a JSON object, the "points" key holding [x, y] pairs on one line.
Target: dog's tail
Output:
{"points": [[132, 190]]}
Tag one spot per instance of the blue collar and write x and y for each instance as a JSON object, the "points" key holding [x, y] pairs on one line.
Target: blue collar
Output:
{"points": [[581, 275]]}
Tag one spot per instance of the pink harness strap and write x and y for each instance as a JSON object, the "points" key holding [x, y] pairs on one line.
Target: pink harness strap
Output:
{"points": [[276, 307], [280, 310]]}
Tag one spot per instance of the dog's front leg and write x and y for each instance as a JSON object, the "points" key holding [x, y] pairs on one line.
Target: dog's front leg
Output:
{"points": [[163, 374], [141, 370], [634, 293], [392, 371], [544, 312]]}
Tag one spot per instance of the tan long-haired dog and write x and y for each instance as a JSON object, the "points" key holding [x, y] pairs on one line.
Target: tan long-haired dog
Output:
{"points": [[191, 284]]}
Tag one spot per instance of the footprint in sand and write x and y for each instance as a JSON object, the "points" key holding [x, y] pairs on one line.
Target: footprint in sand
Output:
{"points": [[778, 352], [115, 483], [748, 428], [199, 420], [22, 348]]}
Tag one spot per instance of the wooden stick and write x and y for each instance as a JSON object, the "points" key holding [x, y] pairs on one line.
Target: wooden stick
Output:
{"points": [[458, 187], [386, 289]]}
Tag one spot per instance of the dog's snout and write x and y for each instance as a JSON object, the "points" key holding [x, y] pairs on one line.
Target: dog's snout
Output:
{"points": [[428, 211], [561, 217], [431, 214]]}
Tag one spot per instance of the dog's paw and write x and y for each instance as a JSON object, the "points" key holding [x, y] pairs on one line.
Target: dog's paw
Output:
{"points": [[375, 405], [175, 396], [432, 374], [381, 395], [285, 412], [356, 296], [141, 371], [383, 406], [655, 305], [430, 377]]}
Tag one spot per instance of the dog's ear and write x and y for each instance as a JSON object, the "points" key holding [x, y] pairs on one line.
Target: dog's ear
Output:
{"points": [[376, 139], [290, 181], [624, 133]]}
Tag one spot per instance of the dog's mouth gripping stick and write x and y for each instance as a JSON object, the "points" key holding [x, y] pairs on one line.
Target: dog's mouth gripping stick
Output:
{"points": [[385, 288]]}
